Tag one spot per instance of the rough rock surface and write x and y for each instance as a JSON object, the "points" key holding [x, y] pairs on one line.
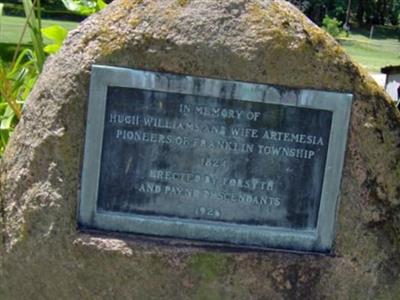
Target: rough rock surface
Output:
{"points": [[45, 257]]}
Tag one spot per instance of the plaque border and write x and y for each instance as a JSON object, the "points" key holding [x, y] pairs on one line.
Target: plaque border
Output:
{"points": [[318, 240]]}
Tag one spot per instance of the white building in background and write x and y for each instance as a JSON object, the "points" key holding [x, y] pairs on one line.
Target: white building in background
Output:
{"points": [[379, 78], [392, 85]]}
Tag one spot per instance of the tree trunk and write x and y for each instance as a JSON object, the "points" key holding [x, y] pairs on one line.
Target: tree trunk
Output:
{"points": [[348, 13], [360, 13]]}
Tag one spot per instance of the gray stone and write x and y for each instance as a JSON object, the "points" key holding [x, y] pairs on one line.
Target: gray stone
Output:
{"points": [[44, 256]]}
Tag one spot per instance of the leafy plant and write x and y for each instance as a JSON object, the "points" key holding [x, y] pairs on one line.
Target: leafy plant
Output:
{"points": [[332, 26], [56, 34], [84, 7], [34, 25], [18, 77], [16, 82]]}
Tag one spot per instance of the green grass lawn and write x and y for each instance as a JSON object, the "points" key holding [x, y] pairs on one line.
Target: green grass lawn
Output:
{"points": [[11, 28], [373, 54]]}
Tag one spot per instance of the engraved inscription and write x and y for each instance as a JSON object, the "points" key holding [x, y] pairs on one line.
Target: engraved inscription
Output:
{"points": [[213, 159]]}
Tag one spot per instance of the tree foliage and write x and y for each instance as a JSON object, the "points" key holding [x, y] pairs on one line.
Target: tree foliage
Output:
{"points": [[332, 26], [363, 12], [84, 7]]}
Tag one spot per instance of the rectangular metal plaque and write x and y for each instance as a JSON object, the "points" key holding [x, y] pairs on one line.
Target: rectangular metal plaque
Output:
{"points": [[213, 160]]}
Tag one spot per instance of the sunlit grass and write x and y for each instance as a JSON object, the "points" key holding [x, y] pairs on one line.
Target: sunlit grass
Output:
{"points": [[12, 27], [373, 54]]}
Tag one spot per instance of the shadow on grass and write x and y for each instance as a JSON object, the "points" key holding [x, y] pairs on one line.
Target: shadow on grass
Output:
{"points": [[380, 32], [7, 50]]}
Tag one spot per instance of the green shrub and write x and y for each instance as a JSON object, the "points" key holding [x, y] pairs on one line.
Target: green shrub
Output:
{"points": [[16, 82], [332, 26], [18, 77]]}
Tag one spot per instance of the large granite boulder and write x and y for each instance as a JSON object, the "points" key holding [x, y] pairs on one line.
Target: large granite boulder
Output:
{"points": [[45, 256]]}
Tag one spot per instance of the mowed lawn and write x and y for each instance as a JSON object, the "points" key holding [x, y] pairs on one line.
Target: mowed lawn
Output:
{"points": [[373, 54], [11, 28]]}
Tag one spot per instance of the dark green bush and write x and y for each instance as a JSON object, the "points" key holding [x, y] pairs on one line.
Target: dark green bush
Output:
{"points": [[332, 26]]}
